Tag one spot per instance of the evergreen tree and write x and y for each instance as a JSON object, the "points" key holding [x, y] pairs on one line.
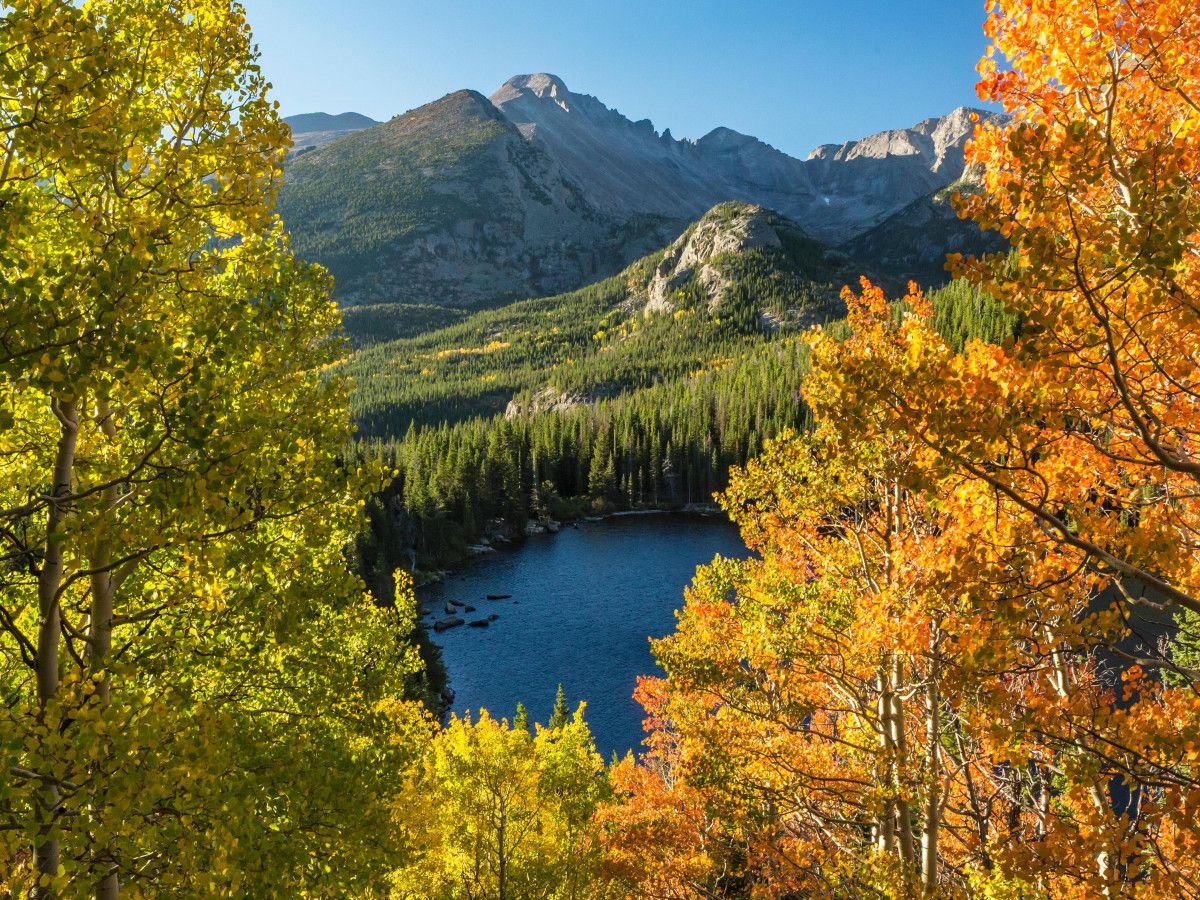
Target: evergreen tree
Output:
{"points": [[560, 716]]}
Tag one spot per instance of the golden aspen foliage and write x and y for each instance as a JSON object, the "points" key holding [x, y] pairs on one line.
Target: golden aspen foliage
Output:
{"points": [[935, 681], [199, 699], [494, 811]]}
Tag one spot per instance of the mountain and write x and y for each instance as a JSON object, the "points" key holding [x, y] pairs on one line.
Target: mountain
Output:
{"points": [[738, 277], [864, 182], [314, 129], [449, 204], [446, 204], [472, 202], [623, 167], [627, 167], [911, 245]]}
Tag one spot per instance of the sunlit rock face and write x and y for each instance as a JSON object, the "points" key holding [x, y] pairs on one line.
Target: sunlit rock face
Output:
{"points": [[627, 167]]}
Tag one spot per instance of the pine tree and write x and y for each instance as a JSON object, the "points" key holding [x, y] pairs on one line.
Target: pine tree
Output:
{"points": [[560, 716]]}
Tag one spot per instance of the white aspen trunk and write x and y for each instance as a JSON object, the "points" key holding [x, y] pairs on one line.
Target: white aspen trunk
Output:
{"points": [[99, 639], [886, 835], [933, 799], [502, 867], [908, 849], [50, 576], [1062, 684]]}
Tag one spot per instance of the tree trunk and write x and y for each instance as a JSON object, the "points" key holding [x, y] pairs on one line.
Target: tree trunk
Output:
{"points": [[502, 854], [908, 849], [886, 836], [1062, 683], [50, 577], [933, 800], [100, 632]]}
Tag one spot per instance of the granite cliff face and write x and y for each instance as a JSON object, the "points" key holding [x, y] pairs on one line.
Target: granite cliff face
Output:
{"points": [[624, 167], [628, 167], [869, 180], [471, 201]]}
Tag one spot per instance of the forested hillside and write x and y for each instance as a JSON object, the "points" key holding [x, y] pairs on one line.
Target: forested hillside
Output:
{"points": [[667, 441], [739, 277]]}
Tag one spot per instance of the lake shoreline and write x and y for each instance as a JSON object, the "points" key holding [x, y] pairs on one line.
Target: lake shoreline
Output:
{"points": [[424, 579], [580, 610]]}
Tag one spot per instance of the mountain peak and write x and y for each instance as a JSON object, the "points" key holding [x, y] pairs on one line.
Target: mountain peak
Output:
{"points": [[321, 121], [314, 129], [540, 84], [722, 137]]}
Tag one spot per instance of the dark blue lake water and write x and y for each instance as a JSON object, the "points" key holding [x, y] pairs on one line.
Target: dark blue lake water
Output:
{"points": [[584, 604]]}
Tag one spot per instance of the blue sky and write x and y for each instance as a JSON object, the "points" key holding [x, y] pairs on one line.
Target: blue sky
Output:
{"points": [[795, 73]]}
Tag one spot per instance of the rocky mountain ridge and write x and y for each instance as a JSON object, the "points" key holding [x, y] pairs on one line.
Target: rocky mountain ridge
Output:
{"points": [[471, 201], [628, 167]]}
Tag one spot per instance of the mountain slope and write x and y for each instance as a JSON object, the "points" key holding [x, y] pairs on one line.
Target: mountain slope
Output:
{"points": [[447, 204], [740, 276], [624, 167], [468, 202], [912, 244]]}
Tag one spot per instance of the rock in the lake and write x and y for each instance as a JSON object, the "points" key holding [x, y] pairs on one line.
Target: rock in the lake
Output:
{"points": [[443, 624], [493, 617], [468, 609], [480, 623], [499, 596]]}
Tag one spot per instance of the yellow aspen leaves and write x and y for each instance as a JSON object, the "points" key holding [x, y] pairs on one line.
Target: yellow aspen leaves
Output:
{"points": [[201, 700]]}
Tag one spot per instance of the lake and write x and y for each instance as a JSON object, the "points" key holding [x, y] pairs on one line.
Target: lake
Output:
{"points": [[584, 603]]}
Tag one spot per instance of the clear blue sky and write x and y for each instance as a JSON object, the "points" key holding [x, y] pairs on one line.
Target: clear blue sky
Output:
{"points": [[795, 73]]}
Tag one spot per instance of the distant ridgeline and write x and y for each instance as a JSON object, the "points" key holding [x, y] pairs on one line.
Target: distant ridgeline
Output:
{"points": [[472, 202], [639, 391]]}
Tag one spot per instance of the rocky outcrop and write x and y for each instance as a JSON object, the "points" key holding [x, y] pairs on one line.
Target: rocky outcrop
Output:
{"points": [[693, 257], [736, 241], [551, 399]]}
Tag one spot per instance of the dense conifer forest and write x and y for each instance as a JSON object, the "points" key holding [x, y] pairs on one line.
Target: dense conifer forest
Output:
{"points": [[712, 405]]}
